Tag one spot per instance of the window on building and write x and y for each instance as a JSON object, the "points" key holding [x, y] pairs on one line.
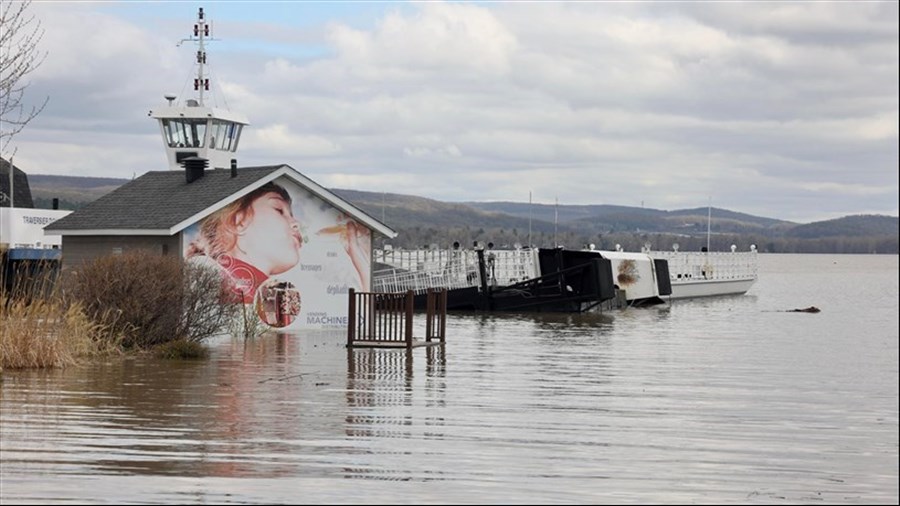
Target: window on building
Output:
{"points": [[185, 132]]}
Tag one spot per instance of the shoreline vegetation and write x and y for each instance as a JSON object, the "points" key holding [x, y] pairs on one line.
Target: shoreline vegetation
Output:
{"points": [[116, 305], [47, 334]]}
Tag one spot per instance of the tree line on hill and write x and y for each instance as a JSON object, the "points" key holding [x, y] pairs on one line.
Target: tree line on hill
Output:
{"points": [[444, 237], [423, 222]]}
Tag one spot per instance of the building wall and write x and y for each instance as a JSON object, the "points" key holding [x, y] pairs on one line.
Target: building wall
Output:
{"points": [[80, 249], [288, 286]]}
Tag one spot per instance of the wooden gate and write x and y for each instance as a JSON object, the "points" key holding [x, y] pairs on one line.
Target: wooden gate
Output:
{"points": [[378, 319]]}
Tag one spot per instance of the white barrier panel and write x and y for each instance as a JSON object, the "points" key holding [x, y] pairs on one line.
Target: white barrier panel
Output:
{"points": [[22, 227]]}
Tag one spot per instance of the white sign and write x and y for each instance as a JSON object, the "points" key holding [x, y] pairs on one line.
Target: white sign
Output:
{"points": [[22, 227]]}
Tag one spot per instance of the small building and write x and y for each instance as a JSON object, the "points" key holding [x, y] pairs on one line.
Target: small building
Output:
{"points": [[287, 246]]}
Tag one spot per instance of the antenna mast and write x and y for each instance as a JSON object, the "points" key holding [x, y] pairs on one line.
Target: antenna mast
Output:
{"points": [[193, 128], [530, 244], [555, 222], [201, 33]]}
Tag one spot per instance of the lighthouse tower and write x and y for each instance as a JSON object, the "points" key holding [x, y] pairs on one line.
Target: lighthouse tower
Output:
{"points": [[191, 129]]}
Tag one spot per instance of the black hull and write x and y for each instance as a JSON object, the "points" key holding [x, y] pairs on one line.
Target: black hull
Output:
{"points": [[471, 299], [576, 282]]}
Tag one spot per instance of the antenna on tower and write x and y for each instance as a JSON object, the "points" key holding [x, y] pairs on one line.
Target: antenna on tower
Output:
{"points": [[194, 129], [201, 35]]}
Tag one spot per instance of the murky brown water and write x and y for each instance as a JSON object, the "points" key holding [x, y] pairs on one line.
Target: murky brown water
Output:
{"points": [[726, 400]]}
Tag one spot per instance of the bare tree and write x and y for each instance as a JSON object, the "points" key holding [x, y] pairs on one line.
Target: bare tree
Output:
{"points": [[20, 34]]}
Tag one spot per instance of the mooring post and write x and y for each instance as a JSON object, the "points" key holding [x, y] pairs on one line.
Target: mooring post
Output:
{"points": [[429, 315], [442, 310], [482, 271]]}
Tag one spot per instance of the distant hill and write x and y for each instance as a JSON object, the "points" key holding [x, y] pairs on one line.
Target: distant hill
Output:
{"points": [[408, 211], [72, 191], [75, 182], [421, 221], [848, 226], [610, 213]]}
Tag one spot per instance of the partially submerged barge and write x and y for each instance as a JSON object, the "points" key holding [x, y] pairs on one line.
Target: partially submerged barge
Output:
{"points": [[559, 279], [522, 279]]}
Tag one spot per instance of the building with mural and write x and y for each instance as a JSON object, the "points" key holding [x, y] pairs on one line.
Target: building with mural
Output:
{"points": [[285, 245]]}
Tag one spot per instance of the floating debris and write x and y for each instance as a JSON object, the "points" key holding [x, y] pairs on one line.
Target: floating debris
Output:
{"points": [[810, 309]]}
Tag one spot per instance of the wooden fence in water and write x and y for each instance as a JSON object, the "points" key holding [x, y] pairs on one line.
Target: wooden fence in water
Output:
{"points": [[378, 319]]}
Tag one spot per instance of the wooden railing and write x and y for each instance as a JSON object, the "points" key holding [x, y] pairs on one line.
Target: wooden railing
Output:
{"points": [[380, 319], [436, 315]]}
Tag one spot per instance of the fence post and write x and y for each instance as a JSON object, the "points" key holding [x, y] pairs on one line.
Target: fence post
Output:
{"points": [[351, 324], [409, 318], [442, 310], [371, 302]]}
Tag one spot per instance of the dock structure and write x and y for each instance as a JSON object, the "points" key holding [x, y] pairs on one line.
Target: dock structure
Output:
{"points": [[485, 279], [559, 279], [386, 320]]}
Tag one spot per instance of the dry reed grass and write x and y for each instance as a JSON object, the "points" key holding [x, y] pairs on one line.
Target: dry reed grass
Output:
{"points": [[41, 329], [44, 333]]}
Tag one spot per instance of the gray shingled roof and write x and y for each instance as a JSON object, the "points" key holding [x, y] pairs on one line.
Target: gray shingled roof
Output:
{"points": [[160, 200]]}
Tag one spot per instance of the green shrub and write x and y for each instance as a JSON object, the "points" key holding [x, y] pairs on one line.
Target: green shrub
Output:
{"points": [[181, 350]]}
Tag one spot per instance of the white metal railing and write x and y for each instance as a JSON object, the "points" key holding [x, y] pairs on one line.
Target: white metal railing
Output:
{"points": [[424, 269], [508, 267], [690, 265], [421, 270]]}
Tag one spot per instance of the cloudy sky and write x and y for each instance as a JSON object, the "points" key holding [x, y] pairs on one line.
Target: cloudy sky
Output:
{"points": [[786, 110]]}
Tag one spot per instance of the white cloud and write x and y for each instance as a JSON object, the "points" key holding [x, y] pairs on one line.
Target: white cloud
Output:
{"points": [[784, 110], [278, 140], [440, 37]]}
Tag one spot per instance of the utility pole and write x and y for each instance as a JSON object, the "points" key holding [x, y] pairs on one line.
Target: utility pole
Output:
{"points": [[529, 219]]}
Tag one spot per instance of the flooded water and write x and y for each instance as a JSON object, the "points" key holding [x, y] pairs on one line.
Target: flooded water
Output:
{"points": [[725, 400]]}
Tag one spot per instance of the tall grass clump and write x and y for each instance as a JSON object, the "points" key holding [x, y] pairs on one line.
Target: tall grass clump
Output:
{"points": [[45, 333], [39, 329]]}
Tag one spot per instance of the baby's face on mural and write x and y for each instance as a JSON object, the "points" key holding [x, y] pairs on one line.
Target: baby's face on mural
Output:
{"points": [[272, 237]]}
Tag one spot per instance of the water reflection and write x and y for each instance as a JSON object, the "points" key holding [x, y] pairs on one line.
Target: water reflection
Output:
{"points": [[710, 400], [384, 402], [578, 322], [220, 418]]}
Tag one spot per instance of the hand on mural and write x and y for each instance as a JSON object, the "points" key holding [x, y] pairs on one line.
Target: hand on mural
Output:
{"points": [[355, 239]]}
